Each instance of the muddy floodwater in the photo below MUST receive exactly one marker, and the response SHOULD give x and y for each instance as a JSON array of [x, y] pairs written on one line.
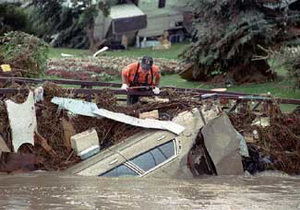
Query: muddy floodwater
[[59, 191]]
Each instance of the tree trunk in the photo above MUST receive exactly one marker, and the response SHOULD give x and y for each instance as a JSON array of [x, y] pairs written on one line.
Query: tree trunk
[[90, 34]]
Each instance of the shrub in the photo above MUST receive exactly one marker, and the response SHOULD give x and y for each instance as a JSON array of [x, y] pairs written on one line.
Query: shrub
[[289, 58], [26, 53]]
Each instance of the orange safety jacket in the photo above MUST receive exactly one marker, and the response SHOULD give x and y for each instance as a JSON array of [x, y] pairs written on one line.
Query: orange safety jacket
[[138, 77]]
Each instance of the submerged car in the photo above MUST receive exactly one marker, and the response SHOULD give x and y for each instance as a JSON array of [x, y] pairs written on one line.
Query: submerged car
[[150, 153]]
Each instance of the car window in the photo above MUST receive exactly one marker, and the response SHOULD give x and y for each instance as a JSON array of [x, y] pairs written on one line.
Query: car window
[[167, 149], [119, 171], [155, 156]]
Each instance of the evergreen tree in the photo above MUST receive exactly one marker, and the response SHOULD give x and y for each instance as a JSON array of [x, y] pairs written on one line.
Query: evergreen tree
[[68, 26], [12, 18], [230, 36]]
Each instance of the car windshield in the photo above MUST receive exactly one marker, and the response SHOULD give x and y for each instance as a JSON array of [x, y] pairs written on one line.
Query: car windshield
[[145, 161], [154, 157], [120, 171]]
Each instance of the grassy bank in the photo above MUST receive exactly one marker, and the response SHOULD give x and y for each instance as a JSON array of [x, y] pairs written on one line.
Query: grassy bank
[[282, 88], [56, 52], [131, 52]]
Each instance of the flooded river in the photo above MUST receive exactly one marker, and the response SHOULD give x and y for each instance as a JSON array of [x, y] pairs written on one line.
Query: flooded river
[[59, 191]]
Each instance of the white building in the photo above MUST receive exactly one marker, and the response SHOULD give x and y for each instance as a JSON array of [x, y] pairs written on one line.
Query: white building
[[145, 18]]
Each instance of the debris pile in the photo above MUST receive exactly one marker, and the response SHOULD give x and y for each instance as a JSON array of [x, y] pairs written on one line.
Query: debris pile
[[24, 55], [50, 148], [279, 141], [103, 68]]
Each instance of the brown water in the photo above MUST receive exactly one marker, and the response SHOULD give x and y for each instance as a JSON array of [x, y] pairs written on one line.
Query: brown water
[[59, 191]]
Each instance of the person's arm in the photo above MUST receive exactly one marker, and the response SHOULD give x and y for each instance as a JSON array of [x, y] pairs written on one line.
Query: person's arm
[[157, 76], [156, 81], [125, 79], [125, 75]]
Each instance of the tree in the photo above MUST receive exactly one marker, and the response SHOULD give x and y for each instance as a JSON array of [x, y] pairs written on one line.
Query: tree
[[69, 25], [12, 18], [58, 24], [230, 37]]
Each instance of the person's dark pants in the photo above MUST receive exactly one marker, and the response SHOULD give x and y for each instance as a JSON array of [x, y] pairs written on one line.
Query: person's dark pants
[[132, 99]]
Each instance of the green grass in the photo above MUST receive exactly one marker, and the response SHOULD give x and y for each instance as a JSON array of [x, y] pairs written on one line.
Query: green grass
[[174, 80], [56, 52], [172, 53], [280, 89]]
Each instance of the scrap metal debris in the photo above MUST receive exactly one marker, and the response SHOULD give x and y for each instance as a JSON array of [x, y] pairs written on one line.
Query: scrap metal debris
[[145, 123], [78, 107], [22, 121], [90, 109], [223, 143]]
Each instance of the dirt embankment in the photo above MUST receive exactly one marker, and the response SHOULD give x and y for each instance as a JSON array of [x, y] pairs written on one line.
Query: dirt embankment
[[279, 141]]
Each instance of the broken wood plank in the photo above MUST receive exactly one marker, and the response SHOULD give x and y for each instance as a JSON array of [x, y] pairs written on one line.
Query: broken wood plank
[[150, 115], [68, 132], [43, 142], [3, 146]]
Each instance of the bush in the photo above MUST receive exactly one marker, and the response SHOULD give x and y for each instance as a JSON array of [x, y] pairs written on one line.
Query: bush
[[289, 58], [26, 53]]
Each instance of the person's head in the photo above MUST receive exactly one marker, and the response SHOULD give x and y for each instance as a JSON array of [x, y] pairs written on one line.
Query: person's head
[[147, 62]]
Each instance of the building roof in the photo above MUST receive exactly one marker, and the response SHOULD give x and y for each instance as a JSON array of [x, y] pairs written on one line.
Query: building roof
[[125, 11]]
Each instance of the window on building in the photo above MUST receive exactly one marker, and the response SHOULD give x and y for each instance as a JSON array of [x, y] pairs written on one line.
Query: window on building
[[136, 2], [161, 3]]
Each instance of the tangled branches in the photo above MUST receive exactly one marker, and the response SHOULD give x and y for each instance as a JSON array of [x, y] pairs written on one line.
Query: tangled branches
[[26, 54]]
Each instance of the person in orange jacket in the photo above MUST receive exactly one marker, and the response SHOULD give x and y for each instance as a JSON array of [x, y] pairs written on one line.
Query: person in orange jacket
[[141, 74]]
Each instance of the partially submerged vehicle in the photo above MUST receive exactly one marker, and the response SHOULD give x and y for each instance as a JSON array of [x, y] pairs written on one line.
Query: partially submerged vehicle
[[144, 154], [153, 153]]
